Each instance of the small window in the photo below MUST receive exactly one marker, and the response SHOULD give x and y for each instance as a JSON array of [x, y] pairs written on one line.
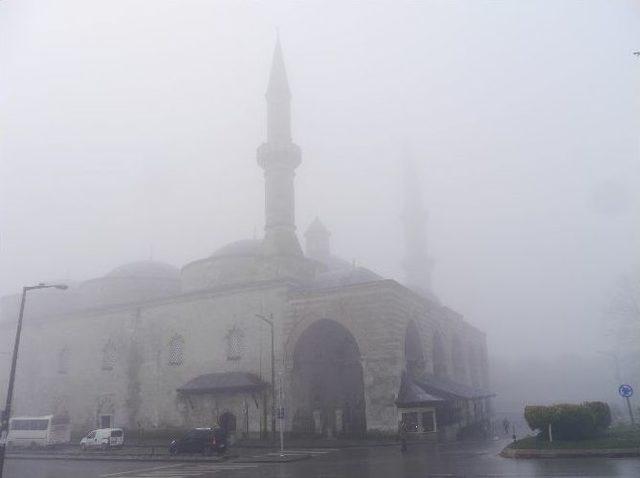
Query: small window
[[176, 350], [427, 422], [109, 356], [92, 434], [410, 420], [63, 361], [235, 343]]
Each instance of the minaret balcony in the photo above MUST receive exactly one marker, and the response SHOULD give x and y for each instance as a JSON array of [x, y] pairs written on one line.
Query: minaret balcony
[[287, 156]]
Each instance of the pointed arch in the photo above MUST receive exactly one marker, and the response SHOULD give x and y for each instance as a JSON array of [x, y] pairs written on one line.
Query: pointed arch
[[109, 354], [439, 356], [63, 360], [414, 356], [458, 359], [328, 383]]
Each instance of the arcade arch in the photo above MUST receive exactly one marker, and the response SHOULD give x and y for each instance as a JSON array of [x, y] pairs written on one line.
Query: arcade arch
[[327, 382]]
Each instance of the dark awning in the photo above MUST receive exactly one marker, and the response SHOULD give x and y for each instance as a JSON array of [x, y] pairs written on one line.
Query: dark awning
[[430, 389], [413, 394], [224, 382], [450, 389]]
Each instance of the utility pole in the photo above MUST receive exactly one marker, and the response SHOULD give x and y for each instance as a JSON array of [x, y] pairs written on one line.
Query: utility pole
[[273, 373], [6, 413]]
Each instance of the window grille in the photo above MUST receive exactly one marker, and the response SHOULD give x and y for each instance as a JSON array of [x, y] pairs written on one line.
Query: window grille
[[176, 350], [108, 356], [235, 343]]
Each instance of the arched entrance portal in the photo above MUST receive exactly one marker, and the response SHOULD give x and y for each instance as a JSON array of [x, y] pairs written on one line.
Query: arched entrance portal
[[327, 383]]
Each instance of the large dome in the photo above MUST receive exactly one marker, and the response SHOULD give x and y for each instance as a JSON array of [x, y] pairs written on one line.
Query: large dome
[[236, 262], [133, 282], [146, 270], [244, 247]]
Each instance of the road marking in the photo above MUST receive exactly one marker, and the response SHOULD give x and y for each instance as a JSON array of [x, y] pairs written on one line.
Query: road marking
[[315, 451], [181, 470], [143, 470]]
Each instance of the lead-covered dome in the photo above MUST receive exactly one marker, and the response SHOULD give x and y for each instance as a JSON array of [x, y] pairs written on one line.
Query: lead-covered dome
[[234, 263], [133, 282], [146, 270], [243, 247]]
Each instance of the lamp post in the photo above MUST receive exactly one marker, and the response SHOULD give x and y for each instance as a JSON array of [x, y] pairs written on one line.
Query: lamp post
[[6, 414], [273, 373]]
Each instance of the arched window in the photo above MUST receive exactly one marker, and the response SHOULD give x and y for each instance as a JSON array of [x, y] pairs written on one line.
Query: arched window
[[235, 343], [176, 350], [63, 360], [439, 356], [473, 366], [458, 359], [413, 353], [109, 356]]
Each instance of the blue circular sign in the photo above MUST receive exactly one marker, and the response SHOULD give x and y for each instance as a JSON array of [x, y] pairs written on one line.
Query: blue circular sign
[[625, 390]]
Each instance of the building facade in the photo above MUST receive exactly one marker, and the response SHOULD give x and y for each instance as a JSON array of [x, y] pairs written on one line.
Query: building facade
[[153, 347]]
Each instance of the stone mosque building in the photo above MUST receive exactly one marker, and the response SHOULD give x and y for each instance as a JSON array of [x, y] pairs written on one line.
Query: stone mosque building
[[153, 347]]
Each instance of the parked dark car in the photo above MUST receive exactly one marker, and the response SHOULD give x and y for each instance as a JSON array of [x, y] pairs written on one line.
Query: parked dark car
[[200, 440]]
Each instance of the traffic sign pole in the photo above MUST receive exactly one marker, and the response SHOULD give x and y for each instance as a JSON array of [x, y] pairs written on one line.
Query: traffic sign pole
[[633, 422], [626, 391]]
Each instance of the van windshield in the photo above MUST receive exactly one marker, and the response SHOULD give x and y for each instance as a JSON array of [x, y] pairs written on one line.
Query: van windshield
[[116, 433]]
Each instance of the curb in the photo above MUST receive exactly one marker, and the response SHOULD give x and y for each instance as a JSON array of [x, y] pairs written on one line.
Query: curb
[[576, 453]]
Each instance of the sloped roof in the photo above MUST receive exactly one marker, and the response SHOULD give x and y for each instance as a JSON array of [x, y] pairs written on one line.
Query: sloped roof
[[436, 389], [223, 382], [450, 389], [411, 393], [345, 277]]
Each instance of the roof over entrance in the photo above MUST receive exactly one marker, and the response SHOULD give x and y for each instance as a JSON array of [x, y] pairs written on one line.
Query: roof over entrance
[[224, 383], [430, 389]]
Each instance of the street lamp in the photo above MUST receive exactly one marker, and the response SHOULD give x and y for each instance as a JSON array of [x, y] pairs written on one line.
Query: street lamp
[[6, 413], [273, 373]]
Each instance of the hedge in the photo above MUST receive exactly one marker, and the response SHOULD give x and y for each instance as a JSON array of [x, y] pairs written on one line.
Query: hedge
[[569, 421]]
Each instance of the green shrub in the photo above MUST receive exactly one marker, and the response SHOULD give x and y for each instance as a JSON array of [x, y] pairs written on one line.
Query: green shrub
[[572, 422], [601, 414], [538, 417], [569, 421]]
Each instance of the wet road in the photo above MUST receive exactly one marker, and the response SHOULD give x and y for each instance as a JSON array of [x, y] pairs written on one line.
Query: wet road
[[379, 462]]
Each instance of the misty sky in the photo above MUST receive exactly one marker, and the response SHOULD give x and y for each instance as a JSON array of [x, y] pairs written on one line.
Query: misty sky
[[129, 129]]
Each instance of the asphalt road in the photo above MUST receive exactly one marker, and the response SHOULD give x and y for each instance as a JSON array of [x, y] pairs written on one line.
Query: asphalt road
[[376, 462]]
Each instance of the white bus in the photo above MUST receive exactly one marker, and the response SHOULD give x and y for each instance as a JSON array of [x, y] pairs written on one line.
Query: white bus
[[39, 431]]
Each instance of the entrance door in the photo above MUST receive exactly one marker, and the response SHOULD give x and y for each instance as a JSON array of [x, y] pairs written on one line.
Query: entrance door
[[227, 422]]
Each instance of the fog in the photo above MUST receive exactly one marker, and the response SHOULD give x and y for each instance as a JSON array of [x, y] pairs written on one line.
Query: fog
[[129, 131]]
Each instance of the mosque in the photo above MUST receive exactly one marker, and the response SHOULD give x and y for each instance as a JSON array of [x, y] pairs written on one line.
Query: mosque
[[259, 329]]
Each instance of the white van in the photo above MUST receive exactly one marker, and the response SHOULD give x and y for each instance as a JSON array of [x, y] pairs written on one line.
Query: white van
[[103, 438], [39, 431]]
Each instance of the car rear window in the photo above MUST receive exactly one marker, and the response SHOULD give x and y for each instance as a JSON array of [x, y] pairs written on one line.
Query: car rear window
[[116, 433]]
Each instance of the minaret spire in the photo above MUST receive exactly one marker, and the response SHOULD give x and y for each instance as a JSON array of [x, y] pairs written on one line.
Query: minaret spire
[[279, 157], [417, 263], [278, 100]]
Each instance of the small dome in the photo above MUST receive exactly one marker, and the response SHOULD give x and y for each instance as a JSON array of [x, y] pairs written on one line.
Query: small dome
[[244, 247], [146, 270]]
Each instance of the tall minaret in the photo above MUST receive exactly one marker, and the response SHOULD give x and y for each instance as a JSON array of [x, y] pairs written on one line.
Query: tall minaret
[[279, 157], [417, 263]]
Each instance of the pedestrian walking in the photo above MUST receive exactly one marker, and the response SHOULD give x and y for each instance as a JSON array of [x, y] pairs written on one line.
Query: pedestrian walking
[[506, 425]]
